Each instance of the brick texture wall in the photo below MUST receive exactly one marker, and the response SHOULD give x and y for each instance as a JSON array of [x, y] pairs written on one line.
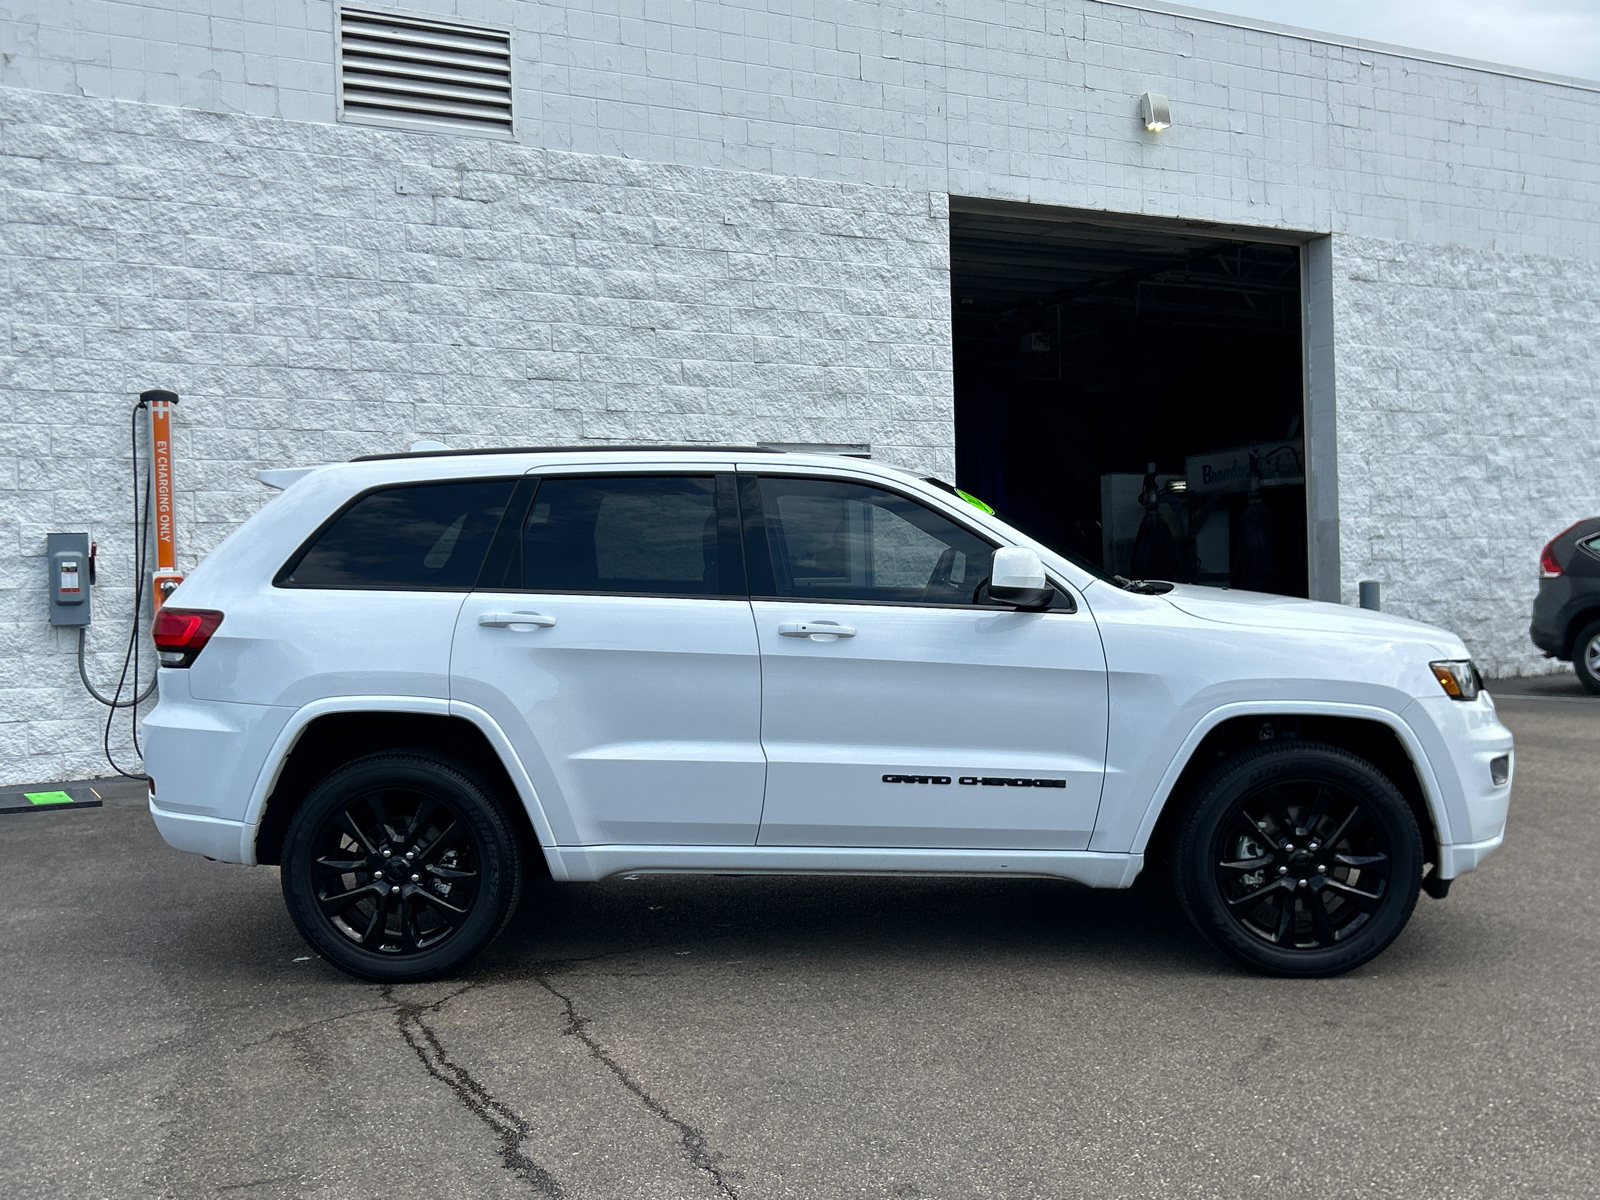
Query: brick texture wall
[[1011, 99], [1469, 426], [314, 292]]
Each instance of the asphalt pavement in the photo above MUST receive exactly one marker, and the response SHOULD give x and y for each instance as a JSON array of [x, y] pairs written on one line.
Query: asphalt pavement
[[164, 1032]]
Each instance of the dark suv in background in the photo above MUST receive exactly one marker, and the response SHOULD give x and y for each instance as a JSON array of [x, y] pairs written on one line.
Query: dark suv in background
[[1566, 615]]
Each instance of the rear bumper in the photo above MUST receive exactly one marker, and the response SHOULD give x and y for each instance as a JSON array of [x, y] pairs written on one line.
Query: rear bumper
[[204, 757], [1547, 639], [210, 836]]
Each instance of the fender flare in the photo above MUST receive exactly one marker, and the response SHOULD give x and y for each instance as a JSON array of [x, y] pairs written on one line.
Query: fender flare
[[1433, 795], [297, 724]]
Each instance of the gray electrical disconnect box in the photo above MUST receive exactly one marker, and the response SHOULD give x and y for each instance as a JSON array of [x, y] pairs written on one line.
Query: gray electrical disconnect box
[[68, 558]]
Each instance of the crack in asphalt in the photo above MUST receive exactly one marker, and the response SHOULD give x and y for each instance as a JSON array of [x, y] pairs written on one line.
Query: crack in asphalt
[[693, 1141], [510, 1129], [310, 1025]]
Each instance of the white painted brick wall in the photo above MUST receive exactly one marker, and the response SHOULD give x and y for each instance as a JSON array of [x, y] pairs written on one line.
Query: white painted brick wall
[[1012, 99], [1469, 423], [314, 292]]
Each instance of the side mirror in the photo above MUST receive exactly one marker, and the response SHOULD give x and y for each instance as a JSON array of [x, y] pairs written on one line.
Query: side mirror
[[1017, 577]]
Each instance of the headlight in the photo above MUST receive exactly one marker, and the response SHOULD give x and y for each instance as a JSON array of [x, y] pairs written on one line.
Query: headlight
[[1459, 678]]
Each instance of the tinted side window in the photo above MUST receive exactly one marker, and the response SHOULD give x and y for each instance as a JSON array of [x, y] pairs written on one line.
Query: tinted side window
[[845, 541], [424, 536], [624, 534]]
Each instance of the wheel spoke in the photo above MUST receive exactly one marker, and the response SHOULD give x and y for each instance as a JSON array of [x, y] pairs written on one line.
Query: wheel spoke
[[419, 819], [347, 824], [377, 927], [1321, 926], [1285, 919], [381, 815], [1359, 860], [1319, 809], [1244, 818], [1246, 864], [452, 916], [332, 906], [1264, 890], [337, 866], [451, 873], [1345, 826], [436, 845], [408, 920], [1367, 902]]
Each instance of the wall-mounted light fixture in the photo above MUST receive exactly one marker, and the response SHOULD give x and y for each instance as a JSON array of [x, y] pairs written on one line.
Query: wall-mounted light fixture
[[1154, 111]]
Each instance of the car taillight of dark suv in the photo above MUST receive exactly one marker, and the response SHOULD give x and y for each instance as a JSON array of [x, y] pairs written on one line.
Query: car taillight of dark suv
[[1566, 614]]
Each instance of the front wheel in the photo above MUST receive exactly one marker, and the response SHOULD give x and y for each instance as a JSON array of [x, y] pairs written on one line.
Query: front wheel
[[1299, 860], [400, 867]]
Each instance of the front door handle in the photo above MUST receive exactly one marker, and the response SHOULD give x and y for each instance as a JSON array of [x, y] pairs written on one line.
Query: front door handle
[[816, 629], [520, 621]]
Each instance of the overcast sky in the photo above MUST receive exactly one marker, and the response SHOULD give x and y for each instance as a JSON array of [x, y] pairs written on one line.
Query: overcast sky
[[1549, 35]]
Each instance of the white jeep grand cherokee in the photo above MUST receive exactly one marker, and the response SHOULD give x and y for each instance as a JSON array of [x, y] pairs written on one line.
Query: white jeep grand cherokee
[[410, 678]]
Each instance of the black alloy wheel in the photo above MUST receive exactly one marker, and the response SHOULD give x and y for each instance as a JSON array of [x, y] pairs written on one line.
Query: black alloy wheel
[[1298, 858], [400, 867], [1586, 657]]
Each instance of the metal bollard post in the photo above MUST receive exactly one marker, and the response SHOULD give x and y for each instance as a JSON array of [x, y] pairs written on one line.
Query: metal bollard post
[[1369, 595]]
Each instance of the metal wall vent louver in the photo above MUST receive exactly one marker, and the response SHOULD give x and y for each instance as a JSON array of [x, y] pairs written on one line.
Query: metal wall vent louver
[[419, 73]]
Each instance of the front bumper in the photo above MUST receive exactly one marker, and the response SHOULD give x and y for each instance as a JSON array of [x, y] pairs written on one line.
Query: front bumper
[[1461, 740]]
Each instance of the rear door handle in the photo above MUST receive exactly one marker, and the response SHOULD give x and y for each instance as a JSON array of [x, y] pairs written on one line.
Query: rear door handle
[[816, 629], [520, 621]]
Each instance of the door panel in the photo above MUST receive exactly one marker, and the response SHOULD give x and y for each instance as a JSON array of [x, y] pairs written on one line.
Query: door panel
[[637, 717], [637, 713], [939, 693], [932, 717]]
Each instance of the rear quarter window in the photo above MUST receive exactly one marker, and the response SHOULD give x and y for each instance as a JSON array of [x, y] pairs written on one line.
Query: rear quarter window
[[413, 537]]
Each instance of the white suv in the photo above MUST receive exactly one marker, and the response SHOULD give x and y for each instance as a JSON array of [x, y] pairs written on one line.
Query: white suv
[[410, 678]]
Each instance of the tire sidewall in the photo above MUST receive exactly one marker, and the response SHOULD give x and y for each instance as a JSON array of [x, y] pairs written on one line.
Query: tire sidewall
[[1220, 793], [1580, 653], [471, 803]]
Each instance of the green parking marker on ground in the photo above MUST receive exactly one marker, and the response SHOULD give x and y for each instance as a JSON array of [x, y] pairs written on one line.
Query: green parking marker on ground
[[47, 801]]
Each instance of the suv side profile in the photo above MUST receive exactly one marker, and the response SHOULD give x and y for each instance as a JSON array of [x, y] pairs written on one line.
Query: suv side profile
[[410, 679]]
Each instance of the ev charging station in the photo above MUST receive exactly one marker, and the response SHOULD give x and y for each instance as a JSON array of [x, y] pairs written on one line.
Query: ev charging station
[[70, 561]]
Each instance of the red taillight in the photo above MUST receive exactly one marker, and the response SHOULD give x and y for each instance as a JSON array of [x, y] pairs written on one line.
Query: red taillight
[[1549, 568], [181, 633]]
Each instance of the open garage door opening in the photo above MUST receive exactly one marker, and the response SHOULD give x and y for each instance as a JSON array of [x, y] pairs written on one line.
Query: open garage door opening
[[1133, 395]]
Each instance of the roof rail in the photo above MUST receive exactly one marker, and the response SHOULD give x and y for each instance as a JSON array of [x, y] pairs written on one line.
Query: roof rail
[[559, 450]]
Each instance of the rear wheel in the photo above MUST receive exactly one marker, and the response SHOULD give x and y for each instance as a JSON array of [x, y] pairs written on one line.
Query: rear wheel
[[1298, 860], [400, 867], [1586, 657]]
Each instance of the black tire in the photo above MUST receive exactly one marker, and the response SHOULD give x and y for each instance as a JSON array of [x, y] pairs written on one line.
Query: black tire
[[1586, 657], [1298, 859], [373, 912]]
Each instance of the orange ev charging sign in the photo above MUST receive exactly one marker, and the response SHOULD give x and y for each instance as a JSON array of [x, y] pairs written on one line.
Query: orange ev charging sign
[[166, 577]]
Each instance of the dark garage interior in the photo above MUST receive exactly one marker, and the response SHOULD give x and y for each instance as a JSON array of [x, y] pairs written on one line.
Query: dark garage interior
[[1133, 395]]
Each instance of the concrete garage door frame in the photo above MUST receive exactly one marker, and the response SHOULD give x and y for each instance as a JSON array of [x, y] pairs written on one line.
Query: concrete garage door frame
[[1317, 353]]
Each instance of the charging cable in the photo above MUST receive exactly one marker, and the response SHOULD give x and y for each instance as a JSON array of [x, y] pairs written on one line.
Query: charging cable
[[130, 657], [88, 684]]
